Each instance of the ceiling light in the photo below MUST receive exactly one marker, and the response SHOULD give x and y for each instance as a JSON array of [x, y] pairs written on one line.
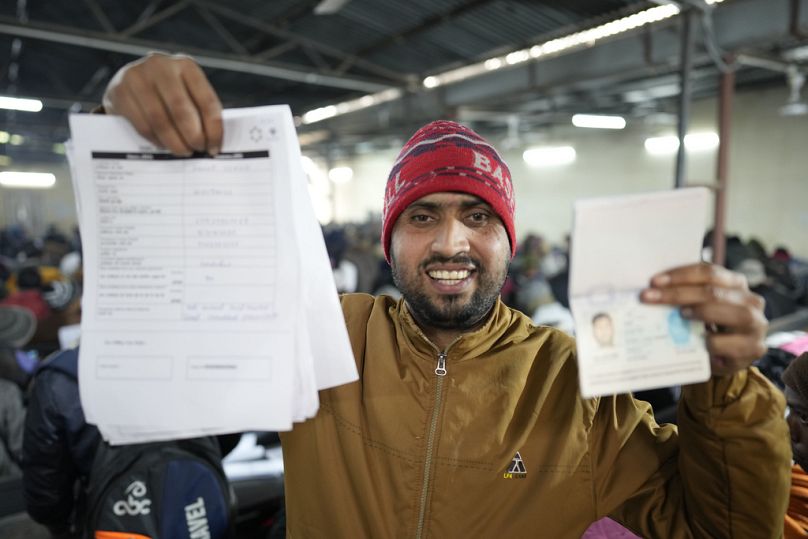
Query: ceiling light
[[694, 142], [493, 63], [352, 105], [662, 145], [16, 140], [536, 51], [431, 82], [598, 121], [319, 114], [18, 103], [548, 156], [340, 174], [5, 136], [578, 39], [700, 142], [517, 57], [329, 7], [36, 180]]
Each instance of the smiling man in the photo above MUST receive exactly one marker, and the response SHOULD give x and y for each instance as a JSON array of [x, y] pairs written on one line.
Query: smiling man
[[448, 229], [467, 420]]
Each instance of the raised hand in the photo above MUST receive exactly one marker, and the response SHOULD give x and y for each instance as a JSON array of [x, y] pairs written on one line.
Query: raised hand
[[169, 101]]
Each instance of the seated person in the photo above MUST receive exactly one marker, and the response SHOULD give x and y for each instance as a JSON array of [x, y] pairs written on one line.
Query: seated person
[[795, 378], [12, 418]]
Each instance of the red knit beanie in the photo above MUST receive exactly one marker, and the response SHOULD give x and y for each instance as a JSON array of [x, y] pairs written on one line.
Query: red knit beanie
[[445, 156]]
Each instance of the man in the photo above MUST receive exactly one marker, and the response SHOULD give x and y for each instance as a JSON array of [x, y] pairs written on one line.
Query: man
[[467, 420], [603, 330], [795, 378]]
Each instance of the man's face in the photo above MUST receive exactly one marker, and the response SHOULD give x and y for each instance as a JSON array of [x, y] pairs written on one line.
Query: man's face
[[603, 330], [449, 253], [798, 425]]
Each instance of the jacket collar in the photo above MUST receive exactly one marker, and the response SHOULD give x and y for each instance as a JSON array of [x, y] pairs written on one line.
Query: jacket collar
[[502, 326]]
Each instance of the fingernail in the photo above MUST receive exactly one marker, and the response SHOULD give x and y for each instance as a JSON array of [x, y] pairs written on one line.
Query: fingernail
[[651, 295], [661, 280], [686, 312], [214, 151]]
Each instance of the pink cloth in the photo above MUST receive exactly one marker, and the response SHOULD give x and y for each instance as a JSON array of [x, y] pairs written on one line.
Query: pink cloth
[[607, 528], [796, 347]]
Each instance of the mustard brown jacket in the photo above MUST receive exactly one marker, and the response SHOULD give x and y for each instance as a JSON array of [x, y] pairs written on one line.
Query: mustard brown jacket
[[499, 443]]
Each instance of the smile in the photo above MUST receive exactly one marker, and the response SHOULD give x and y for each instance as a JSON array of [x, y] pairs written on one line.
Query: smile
[[443, 275], [449, 278]]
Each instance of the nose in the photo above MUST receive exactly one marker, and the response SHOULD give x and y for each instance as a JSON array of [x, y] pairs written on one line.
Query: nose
[[451, 238]]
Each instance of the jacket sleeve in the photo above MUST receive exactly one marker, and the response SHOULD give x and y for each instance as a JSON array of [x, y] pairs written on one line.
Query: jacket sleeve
[[48, 473], [12, 418], [726, 473]]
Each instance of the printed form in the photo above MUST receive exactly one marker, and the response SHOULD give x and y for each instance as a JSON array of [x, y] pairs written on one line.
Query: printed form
[[198, 273], [618, 244]]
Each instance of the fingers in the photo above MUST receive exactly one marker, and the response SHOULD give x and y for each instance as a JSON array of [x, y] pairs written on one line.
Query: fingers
[[128, 107], [209, 106], [737, 316], [693, 294], [700, 274], [178, 122], [152, 108], [169, 101]]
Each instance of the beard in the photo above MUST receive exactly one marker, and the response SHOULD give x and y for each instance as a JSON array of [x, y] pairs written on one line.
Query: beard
[[449, 311]]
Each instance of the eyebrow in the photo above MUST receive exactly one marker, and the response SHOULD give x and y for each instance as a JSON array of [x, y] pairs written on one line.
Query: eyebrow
[[470, 203]]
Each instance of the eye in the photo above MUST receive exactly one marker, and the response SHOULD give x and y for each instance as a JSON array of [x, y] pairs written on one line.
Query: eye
[[478, 217], [419, 218]]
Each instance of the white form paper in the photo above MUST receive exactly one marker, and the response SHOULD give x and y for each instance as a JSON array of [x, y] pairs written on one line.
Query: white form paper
[[192, 310], [618, 244]]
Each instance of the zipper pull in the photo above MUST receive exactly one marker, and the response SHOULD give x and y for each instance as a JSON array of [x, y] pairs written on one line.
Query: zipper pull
[[440, 370]]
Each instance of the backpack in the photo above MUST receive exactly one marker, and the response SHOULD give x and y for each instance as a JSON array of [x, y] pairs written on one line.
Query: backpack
[[160, 490]]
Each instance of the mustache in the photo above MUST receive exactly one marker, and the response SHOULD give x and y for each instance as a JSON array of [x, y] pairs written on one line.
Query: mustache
[[457, 259]]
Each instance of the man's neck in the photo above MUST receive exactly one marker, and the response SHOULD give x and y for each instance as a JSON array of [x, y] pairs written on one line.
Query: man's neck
[[442, 338]]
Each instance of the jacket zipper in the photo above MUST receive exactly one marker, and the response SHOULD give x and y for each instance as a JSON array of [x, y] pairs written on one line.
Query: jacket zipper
[[440, 372]]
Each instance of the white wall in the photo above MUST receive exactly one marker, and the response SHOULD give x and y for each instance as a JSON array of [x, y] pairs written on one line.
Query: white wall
[[768, 182], [35, 209]]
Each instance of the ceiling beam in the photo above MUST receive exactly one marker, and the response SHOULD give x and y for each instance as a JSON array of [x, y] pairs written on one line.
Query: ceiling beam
[[100, 16], [613, 63], [223, 32], [144, 23], [427, 24], [229, 62], [282, 33]]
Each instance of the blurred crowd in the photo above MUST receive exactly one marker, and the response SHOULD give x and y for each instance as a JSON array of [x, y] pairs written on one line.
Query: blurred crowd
[[41, 282], [42, 275]]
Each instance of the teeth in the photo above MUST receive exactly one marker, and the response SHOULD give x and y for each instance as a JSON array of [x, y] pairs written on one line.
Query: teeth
[[444, 275]]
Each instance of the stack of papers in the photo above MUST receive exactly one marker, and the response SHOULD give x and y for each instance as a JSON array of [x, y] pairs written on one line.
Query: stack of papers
[[618, 245], [209, 304]]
